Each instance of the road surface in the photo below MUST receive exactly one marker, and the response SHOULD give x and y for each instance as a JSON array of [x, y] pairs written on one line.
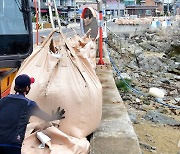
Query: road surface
[[67, 31]]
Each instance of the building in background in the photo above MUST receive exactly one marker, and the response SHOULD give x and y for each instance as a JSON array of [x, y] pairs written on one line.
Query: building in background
[[177, 7], [114, 8], [158, 3], [64, 7], [71, 9], [141, 11], [160, 8], [129, 2]]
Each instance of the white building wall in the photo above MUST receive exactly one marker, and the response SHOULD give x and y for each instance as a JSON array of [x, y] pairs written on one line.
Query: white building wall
[[168, 1], [60, 2], [66, 2]]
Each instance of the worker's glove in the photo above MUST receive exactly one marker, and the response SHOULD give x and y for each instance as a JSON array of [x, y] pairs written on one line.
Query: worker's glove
[[59, 114]]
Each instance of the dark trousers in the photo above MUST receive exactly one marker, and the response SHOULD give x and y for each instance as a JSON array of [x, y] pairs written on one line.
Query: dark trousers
[[9, 150]]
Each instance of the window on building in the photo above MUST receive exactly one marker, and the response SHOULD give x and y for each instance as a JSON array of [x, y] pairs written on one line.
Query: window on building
[[148, 12], [57, 2], [129, 2], [63, 2], [140, 12]]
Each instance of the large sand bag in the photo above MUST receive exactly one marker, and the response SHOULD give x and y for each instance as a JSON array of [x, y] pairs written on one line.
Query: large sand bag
[[85, 47], [60, 143], [66, 80]]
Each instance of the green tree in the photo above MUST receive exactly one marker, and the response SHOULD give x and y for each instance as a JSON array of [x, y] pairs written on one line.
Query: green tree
[[138, 1]]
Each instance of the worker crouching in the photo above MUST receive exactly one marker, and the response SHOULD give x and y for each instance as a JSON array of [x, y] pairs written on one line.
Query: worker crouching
[[15, 112]]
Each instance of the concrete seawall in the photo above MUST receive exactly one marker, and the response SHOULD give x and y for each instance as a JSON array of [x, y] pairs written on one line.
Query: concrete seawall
[[115, 135], [129, 30]]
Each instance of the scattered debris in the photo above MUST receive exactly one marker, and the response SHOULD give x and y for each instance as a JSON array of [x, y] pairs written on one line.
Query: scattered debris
[[156, 92], [150, 59]]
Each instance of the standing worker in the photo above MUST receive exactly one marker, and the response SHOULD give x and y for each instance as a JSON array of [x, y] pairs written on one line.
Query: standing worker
[[15, 112]]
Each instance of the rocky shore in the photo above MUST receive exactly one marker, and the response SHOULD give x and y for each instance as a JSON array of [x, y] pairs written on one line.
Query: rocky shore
[[146, 60]]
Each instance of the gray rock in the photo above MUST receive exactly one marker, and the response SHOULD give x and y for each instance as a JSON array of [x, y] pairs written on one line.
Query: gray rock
[[125, 76], [138, 39], [177, 77], [177, 65], [157, 117], [138, 50], [173, 92], [154, 49], [133, 116], [136, 75], [173, 65], [123, 50], [151, 64], [133, 65], [165, 81], [147, 146], [145, 45], [165, 47], [153, 151], [143, 73], [145, 107], [177, 99]]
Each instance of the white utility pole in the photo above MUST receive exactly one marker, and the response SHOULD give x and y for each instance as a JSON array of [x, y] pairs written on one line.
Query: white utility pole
[[57, 15], [118, 8], [168, 8], [39, 10], [74, 11], [50, 13]]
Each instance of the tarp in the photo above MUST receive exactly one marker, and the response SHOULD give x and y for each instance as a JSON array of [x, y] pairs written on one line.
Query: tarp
[[65, 77]]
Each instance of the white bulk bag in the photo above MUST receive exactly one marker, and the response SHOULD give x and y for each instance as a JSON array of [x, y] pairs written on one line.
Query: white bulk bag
[[68, 81]]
